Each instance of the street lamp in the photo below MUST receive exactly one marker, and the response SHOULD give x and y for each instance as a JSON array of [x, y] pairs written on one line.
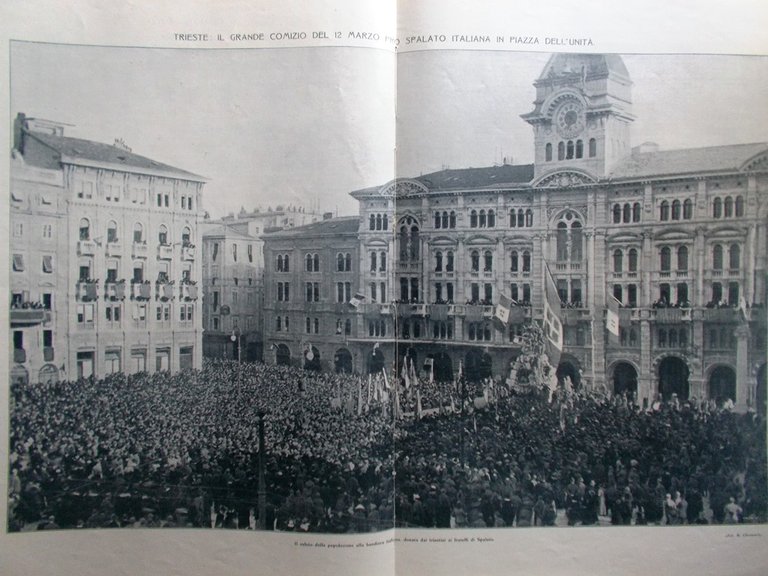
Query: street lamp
[[236, 341]]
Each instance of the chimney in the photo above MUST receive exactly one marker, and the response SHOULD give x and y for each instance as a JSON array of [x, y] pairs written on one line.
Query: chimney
[[18, 130], [327, 215]]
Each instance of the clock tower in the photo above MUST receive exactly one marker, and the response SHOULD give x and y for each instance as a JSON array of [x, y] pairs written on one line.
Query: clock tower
[[582, 114]]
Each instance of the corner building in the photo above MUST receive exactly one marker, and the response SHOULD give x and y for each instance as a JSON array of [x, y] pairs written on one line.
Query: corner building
[[104, 268], [678, 237]]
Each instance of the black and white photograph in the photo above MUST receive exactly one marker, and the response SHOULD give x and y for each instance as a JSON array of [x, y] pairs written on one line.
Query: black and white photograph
[[340, 291]]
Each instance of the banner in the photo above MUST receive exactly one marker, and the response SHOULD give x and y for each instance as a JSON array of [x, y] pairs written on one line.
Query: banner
[[612, 315], [502, 308], [553, 325]]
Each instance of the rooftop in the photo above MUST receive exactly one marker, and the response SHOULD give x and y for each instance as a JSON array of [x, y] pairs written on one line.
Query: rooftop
[[77, 149], [330, 227]]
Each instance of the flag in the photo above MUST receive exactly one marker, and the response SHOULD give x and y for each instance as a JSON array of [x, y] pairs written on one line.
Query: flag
[[404, 373], [412, 373], [553, 325], [386, 380], [612, 315], [503, 308], [359, 398], [418, 404], [369, 390], [743, 309], [429, 364], [357, 299]]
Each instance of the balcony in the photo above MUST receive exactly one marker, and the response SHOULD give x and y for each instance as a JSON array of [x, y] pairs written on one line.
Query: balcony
[[140, 250], [86, 248], [29, 316], [671, 315], [188, 292], [724, 315], [114, 290], [188, 252], [572, 316], [163, 291], [87, 291], [165, 252], [19, 355], [141, 291], [114, 249]]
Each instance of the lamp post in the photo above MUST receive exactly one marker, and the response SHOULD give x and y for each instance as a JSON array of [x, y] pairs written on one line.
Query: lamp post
[[236, 341]]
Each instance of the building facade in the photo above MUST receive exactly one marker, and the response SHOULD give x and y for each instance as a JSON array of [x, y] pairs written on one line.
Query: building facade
[[105, 271], [232, 293], [678, 237]]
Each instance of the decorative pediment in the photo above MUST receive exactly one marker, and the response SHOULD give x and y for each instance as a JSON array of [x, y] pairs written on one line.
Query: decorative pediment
[[726, 232], [624, 237], [443, 241], [564, 179], [479, 240], [674, 234], [757, 162], [403, 188], [376, 243]]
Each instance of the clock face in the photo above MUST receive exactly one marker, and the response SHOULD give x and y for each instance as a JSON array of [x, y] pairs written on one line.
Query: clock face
[[569, 119]]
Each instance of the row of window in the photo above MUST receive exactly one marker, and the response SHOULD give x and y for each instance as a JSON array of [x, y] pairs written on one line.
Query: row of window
[[728, 207], [378, 222], [138, 195], [85, 271], [220, 323], [46, 230], [678, 294], [568, 150], [18, 264], [139, 312], [676, 210], [378, 260], [215, 252], [138, 233], [627, 213]]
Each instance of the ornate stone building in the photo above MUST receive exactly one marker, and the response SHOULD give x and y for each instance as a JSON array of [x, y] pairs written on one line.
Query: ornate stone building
[[104, 270], [679, 237]]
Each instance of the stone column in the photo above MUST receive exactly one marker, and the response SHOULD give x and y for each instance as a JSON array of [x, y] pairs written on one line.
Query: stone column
[[742, 367], [645, 379]]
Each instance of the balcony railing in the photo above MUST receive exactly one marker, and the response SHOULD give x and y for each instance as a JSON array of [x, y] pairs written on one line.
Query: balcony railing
[[29, 316], [19, 355], [114, 290], [48, 354], [141, 291], [114, 249], [163, 291], [140, 250], [87, 290], [188, 252], [86, 247], [165, 252], [726, 315]]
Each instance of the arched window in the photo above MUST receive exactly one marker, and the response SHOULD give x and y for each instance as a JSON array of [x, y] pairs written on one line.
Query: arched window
[[286, 264], [438, 261], [520, 218], [340, 262], [687, 209], [561, 151], [636, 212], [444, 220], [665, 259], [529, 218], [728, 207], [548, 152], [562, 242], [627, 213], [569, 150], [186, 236], [632, 260], [683, 335], [373, 261], [618, 261], [475, 259], [437, 220], [452, 219], [347, 262], [662, 338], [472, 331], [717, 208], [739, 206], [488, 261], [382, 261], [372, 222], [491, 219], [85, 229], [579, 149], [717, 257], [138, 233], [616, 213], [162, 235], [279, 264], [526, 261], [592, 147], [379, 223], [512, 218], [385, 222], [682, 258], [234, 252], [676, 210], [111, 232], [308, 263], [279, 323], [664, 211], [482, 222], [473, 219], [514, 261], [673, 338], [734, 257], [449, 261], [316, 263]]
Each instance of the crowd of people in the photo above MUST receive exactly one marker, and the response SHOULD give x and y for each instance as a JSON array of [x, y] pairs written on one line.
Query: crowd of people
[[165, 449]]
